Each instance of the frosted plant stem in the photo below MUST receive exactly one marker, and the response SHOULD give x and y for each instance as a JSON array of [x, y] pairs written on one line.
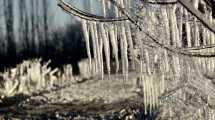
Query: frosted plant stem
[[87, 40], [114, 46]]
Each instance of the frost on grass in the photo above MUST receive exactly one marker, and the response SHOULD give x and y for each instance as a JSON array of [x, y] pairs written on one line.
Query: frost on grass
[[27, 77]]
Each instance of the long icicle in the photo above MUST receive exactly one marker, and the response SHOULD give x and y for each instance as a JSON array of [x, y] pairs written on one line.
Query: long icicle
[[209, 66], [129, 37], [204, 39], [99, 66], [87, 40], [93, 37], [114, 46], [116, 12], [101, 51], [144, 90], [175, 39], [196, 32], [188, 31], [105, 40], [167, 41], [95, 46], [124, 47], [212, 42], [130, 44]]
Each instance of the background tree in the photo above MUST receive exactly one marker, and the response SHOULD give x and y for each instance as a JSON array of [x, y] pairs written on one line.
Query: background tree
[[9, 21]]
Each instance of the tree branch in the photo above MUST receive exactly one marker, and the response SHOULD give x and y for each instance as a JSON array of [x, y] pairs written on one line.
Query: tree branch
[[84, 15]]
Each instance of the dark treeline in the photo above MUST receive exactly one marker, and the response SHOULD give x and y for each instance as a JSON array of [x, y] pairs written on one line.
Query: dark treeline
[[26, 32]]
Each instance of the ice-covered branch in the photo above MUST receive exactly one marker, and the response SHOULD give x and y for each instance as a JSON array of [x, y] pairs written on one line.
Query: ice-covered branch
[[174, 50], [84, 15]]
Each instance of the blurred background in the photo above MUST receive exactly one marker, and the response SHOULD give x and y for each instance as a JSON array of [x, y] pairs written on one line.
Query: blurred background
[[40, 29]]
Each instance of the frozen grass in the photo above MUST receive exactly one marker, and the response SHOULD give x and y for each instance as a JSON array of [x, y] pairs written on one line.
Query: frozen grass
[[32, 75], [27, 77]]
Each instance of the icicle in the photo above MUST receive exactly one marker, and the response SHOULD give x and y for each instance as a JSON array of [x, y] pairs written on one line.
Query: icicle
[[144, 92], [92, 32], [147, 92], [101, 51], [124, 50], [97, 48], [114, 46], [167, 38], [180, 22], [106, 47], [213, 50], [196, 28], [196, 32], [188, 31], [145, 50], [105, 40], [116, 33], [162, 88], [204, 39], [157, 87], [94, 44], [123, 46], [175, 39], [131, 46], [210, 41], [150, 91], [86, 36]]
